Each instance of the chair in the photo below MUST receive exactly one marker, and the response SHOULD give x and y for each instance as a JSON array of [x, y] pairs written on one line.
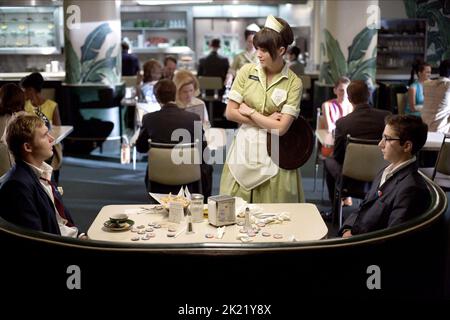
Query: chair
[[362, 162], [207, 84], [401, 102], [130, 81], [306, 81], [440, 174], [6, 162], [320, 124], [174, 163]]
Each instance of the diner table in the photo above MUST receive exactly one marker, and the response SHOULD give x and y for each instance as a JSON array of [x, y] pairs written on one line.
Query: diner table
[[305, 224], [433, 143], [60, 132]]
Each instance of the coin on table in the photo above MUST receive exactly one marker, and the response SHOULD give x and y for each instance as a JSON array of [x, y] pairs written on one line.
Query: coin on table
[[172, 229], [242, 231], [266, 234], [278, 236], [149, 229], [261, 224], [141, 231], [151, 224], [240, 223], [171, 234], [146, 237], [141, 226], [209, 235], [151, 235], [134, 229], [135, 239], [156, 226], [251, 234]]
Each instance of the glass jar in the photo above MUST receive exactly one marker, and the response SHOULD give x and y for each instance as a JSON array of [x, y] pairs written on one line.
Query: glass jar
[[196, 207]]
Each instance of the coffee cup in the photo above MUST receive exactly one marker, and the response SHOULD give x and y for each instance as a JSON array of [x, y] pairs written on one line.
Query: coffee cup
[[118, 218]]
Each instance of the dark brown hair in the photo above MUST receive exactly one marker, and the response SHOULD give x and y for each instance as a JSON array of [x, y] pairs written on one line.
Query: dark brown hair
[[416, 68], [165, 91], [12, 99], [170, 58], [271, 40], [149, 70], [358, 92], [21, 130], [33, 80], [409, 128]]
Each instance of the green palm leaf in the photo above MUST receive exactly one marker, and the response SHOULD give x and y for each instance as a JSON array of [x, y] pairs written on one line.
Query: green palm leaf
[[336, 59], [360, 44], [73, 63], [94, 42]]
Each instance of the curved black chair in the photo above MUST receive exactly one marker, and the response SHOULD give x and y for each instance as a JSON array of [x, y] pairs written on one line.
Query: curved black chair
[[411, 258]]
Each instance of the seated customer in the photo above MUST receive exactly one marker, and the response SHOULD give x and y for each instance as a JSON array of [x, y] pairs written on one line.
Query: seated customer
[[46, 109], [187, 92], [28, 197], [399, 192], [159, 127]]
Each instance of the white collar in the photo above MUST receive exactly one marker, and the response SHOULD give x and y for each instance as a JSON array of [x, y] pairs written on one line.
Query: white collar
[[45, 170]]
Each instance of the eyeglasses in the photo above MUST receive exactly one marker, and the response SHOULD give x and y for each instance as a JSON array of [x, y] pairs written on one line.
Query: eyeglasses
[[387, 138]]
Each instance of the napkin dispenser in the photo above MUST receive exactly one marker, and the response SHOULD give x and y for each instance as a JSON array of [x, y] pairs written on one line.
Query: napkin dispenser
[[221, 210]]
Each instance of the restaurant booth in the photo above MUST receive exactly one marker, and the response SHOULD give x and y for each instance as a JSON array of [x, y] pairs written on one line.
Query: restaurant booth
[[410, 260]]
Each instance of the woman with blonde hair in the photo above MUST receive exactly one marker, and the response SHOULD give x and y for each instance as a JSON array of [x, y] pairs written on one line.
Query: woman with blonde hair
[[187, 92]]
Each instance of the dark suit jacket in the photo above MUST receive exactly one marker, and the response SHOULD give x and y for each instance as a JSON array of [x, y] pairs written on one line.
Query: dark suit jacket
[[159, 126], [364, 122], [213, 65], [130, 64], [402, 197], [24, 201]]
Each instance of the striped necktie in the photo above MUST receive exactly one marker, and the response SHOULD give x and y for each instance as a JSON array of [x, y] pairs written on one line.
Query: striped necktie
[[58, 204]]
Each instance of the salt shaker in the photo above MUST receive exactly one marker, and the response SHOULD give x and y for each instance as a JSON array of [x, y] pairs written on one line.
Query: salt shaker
[[247, 223]]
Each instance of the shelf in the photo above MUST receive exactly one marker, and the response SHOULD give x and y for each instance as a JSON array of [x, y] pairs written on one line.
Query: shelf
[[417, 36], [399, 52], [168, 50], [153, 29], [29, 50]]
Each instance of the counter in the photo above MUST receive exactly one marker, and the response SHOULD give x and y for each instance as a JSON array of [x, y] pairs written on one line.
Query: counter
[[49, 76]]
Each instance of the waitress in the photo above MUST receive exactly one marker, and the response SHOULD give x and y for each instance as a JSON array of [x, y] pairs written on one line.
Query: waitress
[[263, 96]]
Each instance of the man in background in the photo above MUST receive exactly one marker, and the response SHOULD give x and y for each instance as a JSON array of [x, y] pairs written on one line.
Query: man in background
[[364, 122], [213, 65], [130, 63], [170, 65]]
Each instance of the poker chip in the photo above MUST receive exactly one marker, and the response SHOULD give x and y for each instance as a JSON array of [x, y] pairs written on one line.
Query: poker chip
[[135, 239], [151, 235], [171, 234], [141, 226], [141, 232], [278, 236], [145, 237], [149, 229], [266, 234], [151, 224], [134, 229], [156, 226], [209, 235], [261, 224], [172, 229]]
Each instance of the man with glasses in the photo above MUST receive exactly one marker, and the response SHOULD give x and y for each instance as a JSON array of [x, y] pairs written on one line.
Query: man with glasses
[[365, 122], [398, 192]]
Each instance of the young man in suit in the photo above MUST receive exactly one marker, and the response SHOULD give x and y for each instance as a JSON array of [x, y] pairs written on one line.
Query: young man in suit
[[213, 65], [159, 127], [365, 122], [399, 192], [28, 197]]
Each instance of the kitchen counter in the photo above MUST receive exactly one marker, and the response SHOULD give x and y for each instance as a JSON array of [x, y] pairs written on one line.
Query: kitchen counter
[[49, 76]]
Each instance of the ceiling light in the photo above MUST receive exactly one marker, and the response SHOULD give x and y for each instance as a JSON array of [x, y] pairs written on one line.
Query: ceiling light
[[160, 2]]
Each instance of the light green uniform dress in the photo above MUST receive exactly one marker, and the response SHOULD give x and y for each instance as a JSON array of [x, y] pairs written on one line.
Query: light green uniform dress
[[282, 95], [241, 59]]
